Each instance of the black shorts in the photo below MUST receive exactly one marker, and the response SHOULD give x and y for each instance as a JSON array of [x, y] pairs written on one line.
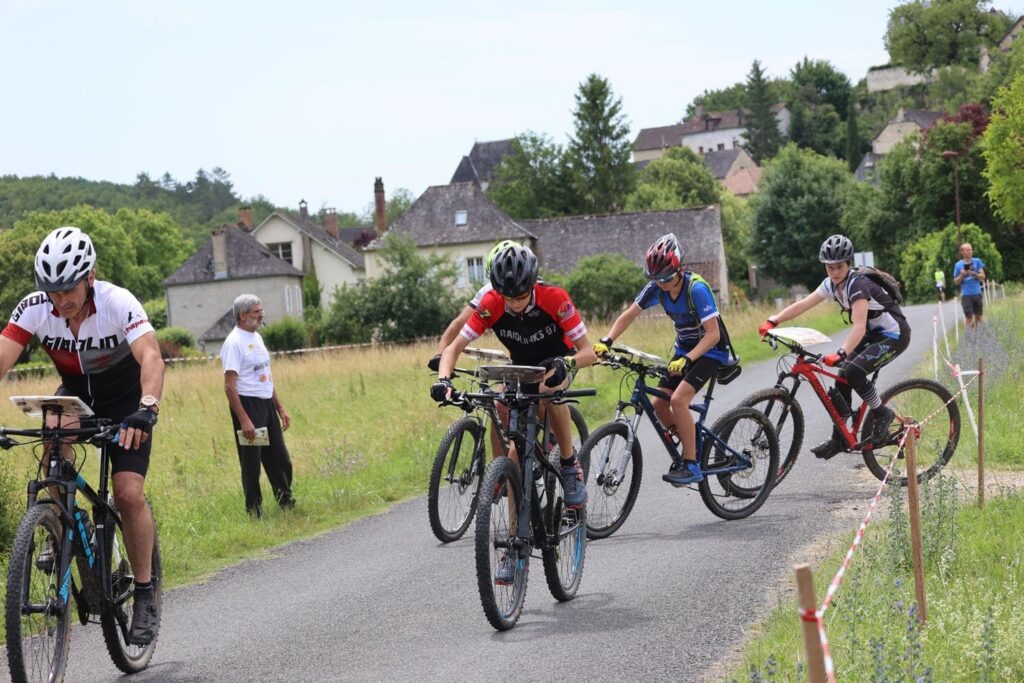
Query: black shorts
[[973, 304], [697, 375], [121, 460]]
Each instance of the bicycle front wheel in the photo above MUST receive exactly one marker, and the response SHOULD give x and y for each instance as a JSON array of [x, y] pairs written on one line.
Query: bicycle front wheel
[[932, 408], [564, 549], [786, 415], [38, 609], [748, 452], [116, 618], [455, 479], [502, 568], [613, 471]]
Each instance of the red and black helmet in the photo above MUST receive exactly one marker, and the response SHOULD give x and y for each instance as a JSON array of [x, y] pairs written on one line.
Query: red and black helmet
[[664, 258]]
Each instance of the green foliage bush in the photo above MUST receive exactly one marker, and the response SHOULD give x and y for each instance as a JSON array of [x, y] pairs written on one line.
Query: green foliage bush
[[601, 286], [176, 335], [156, 309], [922, 257], [285, 334]]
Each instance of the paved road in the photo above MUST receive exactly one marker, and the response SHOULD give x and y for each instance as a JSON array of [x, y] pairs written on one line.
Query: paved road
[[670, 594]]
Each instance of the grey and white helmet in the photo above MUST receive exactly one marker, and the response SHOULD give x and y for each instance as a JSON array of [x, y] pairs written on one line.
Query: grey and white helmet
[[65, 258], [836, 249]]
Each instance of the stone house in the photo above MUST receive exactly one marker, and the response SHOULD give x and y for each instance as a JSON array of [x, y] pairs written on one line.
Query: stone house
[[703, 132]]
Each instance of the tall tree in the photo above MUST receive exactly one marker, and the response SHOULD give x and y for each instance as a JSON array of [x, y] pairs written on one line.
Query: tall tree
[[599, 151], [531, 182], [800, 203], [922, 36], [762, 135], [682, 175], [1003, 145]]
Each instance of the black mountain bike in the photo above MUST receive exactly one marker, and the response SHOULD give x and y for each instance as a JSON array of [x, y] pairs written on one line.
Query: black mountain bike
[[454, 488], [59, 554], [522, 506], [738, 455]]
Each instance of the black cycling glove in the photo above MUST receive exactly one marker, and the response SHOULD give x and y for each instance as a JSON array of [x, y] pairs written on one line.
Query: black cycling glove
[[441, 389], [561, 367], [143, 419]]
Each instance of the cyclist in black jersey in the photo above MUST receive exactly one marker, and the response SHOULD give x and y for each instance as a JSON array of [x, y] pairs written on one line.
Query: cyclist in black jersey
[[880, 333], [105, 350]]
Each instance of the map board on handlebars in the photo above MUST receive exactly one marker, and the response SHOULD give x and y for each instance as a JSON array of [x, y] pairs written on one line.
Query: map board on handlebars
[[69, 405], [804, 336], [524, 374]]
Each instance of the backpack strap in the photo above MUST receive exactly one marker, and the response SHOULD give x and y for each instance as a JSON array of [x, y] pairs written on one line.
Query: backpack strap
[[723, 330]]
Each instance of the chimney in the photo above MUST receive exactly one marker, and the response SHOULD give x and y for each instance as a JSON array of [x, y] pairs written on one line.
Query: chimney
[[303, 210], [220, 254], [331, 222], [245, 218], [380, 214]]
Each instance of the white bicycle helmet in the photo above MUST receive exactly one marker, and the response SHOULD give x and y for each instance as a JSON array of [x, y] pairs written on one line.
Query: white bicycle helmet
[[65, 258]]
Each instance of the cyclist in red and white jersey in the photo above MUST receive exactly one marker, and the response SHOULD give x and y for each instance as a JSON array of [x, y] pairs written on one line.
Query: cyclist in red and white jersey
[[105, 350], [539, 325]]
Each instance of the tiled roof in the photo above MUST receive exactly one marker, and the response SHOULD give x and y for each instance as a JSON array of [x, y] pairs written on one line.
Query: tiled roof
[[720, 161], [922, 117], [482, 163], [743, 182], [562, 242], [220, 329], [246, 258], [431, 218], [318, 234], [672, 136]]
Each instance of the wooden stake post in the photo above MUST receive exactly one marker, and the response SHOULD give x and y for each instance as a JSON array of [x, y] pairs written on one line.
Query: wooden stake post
[[915, 521], [812, 642], [981, 432]]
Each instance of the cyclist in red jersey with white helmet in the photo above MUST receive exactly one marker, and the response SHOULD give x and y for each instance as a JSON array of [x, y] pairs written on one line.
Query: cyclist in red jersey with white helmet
[[105, 350]]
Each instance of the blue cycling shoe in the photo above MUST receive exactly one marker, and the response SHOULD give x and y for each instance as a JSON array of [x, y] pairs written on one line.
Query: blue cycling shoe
[[573, 485], [689, 473]]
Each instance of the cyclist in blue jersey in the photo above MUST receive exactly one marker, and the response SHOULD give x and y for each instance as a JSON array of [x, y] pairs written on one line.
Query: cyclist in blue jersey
[[880, 333], [698, 351], [106, 354]]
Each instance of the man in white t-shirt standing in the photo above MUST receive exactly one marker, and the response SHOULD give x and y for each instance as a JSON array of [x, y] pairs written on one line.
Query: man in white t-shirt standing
[[254, 405]]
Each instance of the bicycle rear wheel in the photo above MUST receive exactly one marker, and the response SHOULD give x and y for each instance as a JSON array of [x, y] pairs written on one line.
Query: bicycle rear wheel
[[455, 479], [916, 400], [500, 499], [116, 618], [38, 608], [564, 549], [737, 494], [613, 478], [786, 415]]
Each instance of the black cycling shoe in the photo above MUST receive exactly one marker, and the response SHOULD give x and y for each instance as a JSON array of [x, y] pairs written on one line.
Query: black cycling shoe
[[827, 449], [144, 618], [882, 417]]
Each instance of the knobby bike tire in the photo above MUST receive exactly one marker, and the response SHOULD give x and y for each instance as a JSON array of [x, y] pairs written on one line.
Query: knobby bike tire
[[787, 417], [609, 504], [38, 638], [739, 494], [564, 547], [500, 499], [455, 479], [116, 619], [917, 399]]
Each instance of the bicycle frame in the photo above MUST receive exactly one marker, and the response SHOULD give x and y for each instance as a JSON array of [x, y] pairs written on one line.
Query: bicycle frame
[[640, 403], [61, 475], [808, 371]]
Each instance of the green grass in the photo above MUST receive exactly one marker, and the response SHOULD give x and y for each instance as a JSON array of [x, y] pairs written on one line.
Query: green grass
[[974, 564]]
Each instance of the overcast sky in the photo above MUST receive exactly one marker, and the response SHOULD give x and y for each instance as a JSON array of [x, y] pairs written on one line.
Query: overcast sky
[[312, 100]]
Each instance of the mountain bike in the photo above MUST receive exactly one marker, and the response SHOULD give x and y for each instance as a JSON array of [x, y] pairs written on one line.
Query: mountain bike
[[521, 505], [738, 455], [59, 553], [925, 404], [458, 469]]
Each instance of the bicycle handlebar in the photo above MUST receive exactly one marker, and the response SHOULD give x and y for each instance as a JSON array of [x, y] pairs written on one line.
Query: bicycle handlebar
[[773, 341], [105, 429]]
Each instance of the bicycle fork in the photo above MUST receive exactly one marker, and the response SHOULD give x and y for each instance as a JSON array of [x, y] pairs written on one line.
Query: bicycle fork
[[611, 473]]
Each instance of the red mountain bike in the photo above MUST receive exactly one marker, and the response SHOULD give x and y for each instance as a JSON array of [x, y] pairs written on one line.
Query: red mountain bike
[[920, 402]]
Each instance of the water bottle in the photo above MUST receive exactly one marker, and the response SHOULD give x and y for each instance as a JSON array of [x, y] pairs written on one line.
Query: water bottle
[[839, 402]]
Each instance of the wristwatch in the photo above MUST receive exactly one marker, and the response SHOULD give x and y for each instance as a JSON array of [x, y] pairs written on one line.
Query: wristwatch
[[150, 402]]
